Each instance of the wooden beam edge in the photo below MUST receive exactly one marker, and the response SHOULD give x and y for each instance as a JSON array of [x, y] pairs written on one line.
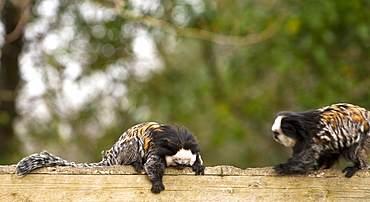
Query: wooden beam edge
[[220, 170]]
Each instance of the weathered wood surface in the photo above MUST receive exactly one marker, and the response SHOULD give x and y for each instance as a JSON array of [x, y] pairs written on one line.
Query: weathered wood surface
[[220, 183]]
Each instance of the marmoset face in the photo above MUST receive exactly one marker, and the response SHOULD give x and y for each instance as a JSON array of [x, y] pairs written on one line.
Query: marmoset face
[[279, 136], [182, 158]]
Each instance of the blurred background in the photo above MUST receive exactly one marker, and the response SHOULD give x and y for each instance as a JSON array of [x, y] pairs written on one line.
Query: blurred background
[[75, 75]]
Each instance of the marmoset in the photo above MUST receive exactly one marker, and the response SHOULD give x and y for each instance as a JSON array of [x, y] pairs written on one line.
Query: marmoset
[[319, 137], [151, 146]]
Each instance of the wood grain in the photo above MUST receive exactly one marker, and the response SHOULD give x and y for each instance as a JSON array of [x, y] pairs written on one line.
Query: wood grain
[[220, 183]]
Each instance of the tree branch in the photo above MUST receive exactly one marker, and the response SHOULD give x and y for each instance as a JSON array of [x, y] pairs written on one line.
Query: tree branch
[[25, 15], [2, 4], [200, 33]]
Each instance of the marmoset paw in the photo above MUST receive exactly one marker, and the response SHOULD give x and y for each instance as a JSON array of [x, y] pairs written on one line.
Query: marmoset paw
[[198, 169], [281, 169], [351, 171], [157, 188]]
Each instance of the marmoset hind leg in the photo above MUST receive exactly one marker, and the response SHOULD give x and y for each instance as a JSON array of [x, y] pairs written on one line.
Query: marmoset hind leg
[[125, 153], [358, 155], [327, 161]]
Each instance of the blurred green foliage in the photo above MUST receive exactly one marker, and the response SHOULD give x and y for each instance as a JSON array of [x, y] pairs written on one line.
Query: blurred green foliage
[[227, 95]]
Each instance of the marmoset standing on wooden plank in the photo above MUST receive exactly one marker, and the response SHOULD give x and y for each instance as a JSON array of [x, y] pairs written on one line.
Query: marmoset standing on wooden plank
[[318, 137], [151, 146]]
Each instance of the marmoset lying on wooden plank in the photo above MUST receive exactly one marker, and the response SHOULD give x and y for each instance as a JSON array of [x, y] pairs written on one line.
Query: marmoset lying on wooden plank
[[151, 146]]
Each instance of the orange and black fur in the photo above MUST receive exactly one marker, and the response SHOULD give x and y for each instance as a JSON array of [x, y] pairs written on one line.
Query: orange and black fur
[[319, 137], [151, 146]]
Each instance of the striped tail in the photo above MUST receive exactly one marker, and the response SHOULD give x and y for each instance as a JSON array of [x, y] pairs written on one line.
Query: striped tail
[[45, 159]]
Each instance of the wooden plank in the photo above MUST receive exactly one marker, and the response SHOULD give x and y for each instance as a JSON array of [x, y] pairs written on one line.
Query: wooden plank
[[221, 183]]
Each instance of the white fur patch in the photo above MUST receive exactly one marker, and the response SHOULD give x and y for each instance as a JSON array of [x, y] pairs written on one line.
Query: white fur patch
[[200, 159], [279, 136], [286, 141], [277, 123], [182, 157]]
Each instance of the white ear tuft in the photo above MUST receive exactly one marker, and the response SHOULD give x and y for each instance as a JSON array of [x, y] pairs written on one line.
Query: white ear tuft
[[276, 127]]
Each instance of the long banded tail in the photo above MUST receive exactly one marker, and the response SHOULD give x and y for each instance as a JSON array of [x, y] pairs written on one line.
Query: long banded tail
[[45, 159]]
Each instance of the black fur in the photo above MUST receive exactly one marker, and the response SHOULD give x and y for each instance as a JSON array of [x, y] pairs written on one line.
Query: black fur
[[170, 140], [299, 126]]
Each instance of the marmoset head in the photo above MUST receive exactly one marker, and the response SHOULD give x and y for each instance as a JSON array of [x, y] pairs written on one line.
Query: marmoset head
[[179, 146], [284, 133]]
